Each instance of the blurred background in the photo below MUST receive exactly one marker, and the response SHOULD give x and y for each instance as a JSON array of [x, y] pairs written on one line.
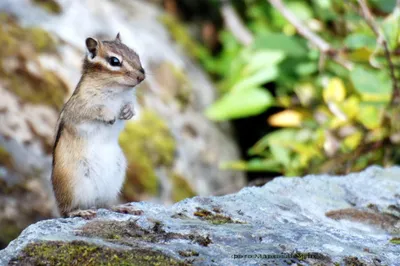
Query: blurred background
[[237, 93]]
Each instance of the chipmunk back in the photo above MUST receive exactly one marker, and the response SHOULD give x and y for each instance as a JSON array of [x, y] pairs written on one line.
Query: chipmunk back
[[88, 163]]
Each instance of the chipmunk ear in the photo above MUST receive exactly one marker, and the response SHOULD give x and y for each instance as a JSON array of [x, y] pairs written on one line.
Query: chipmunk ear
[[118, 38], [92, 46]]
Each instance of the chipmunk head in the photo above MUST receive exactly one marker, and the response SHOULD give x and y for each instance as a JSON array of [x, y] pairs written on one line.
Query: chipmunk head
[[112, 63]]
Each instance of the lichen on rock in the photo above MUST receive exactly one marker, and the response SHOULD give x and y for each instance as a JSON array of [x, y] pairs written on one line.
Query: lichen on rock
[[80, 253], [176, 86], [147, 144], [284, 223], [5, 159], [20, 71], [130, 232], [181, 189], [51, 6], [214, 217], [183, 37]]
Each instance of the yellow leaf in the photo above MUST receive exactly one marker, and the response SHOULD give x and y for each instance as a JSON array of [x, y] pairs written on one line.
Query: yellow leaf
[[377, 134], [370, 116], [335, 91], [361, 55], [284, 100], [351, 142], [336, 122], [305, 92], [286, 118], [350, 107]]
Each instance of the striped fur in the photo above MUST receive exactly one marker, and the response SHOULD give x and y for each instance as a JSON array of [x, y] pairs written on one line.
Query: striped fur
[[88, 164]]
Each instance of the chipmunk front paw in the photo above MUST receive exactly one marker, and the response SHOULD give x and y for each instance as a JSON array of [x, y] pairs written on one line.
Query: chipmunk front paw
[[111, 121], [127, 210], [127, 112], [85, 214], [107, 116]]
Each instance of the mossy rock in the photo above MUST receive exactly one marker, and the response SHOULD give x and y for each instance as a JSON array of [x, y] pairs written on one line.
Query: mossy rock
[[147, 144], [13, 37], [130, 233], [81, 253], [50, 6], [20, 69], [214, 217], [182, 36], [9, 231], [395, 240], [181, 188], [176, 85], [353, 261], [5, 158]]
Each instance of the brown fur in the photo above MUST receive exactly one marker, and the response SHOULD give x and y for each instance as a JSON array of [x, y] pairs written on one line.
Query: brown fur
[[97, 75], [61, 174]]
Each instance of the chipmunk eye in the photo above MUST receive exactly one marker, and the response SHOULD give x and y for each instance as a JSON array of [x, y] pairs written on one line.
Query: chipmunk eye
[[114, 61]]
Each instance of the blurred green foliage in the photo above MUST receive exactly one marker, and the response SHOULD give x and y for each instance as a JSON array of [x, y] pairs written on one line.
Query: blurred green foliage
[[333, 119]]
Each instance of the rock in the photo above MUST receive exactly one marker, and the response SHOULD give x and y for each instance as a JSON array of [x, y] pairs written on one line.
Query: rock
[[173, 150], [315, 220]]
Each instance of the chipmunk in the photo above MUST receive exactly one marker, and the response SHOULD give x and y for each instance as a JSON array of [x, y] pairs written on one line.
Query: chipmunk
[[88, 163]]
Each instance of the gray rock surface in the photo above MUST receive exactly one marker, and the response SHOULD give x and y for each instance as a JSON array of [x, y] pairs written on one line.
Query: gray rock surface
[[348, 220]]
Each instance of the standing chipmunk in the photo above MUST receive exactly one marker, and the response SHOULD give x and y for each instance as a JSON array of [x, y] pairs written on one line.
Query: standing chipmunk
[[88, 163]]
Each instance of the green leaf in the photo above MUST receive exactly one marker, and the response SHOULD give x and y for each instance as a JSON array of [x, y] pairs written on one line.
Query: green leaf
[[253, 165], [369, 116], [391, 28], [372, 85], [301, 10], [257, 79], [360, 40], [280, 153], [289, 45], [262, 59], [277, 136], [240, 104], [385, 5], [306, 68]]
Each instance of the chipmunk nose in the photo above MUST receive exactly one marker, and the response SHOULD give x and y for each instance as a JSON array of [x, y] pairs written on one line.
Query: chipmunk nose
[[141, 76]]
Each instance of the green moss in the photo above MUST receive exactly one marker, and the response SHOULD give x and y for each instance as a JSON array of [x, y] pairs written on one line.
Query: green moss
[[13, 37], [214, 218], [181, 189], [5, 158], [182, 36], [48, 88], [21, 46], [81, 253], [147, 143], [176, 85], [50, 6], [9, 231], [353, 261], [395, 240], [41, 39], [188, 253], [128, 233]]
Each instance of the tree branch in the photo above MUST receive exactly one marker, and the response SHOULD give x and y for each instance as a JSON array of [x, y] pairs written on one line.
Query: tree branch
[[367, 15], [320, 43], [235, 25]]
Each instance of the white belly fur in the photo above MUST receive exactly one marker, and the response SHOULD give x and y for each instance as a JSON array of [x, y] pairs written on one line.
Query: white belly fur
[[101, 174]]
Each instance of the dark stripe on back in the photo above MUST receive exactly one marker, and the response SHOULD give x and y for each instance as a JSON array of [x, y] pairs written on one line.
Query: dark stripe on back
[[60, 130]]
